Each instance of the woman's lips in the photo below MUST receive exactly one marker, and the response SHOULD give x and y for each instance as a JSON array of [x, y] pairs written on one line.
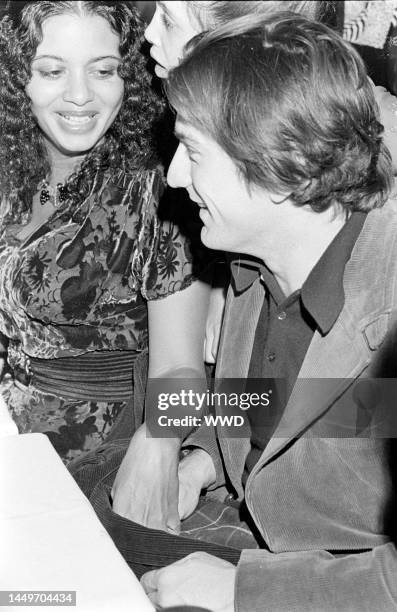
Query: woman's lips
[[77, 121]]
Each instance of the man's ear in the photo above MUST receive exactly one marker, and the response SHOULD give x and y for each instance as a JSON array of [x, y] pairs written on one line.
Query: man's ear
[[280, 198]]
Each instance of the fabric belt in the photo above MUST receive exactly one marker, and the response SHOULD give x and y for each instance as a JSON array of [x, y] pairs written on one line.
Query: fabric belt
[[96, 376]]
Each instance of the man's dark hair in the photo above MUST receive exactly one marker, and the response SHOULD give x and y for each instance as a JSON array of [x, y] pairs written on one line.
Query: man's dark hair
[[290, 102]]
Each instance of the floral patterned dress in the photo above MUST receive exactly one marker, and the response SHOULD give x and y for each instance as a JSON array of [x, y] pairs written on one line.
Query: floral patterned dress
[[79, 284]]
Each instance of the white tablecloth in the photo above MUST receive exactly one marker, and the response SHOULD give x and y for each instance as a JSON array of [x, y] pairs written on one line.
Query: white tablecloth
[[50, 537]]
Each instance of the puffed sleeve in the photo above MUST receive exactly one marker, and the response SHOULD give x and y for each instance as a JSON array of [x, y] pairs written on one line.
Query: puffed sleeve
[[165, 257]]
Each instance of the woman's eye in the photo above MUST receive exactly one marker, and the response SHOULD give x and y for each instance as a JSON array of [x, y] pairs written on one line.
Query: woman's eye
[[105, 72], [51, 74]]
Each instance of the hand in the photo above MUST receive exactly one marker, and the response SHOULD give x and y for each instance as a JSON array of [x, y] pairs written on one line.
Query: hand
[[196, 472], [146, 486], [214, 324], [199, 579]]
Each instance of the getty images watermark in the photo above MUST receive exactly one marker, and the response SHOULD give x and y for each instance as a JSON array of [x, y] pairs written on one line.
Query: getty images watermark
[[345, 408], [207, 400], [176, 406]]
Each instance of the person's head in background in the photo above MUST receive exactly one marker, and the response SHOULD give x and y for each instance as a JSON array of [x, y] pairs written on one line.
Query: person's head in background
[[175, 22], [277, 120], [73, 84]]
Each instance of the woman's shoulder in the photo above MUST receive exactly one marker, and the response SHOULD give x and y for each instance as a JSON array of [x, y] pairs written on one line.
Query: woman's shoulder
[[125, 179], [119, 198], [136, 188]]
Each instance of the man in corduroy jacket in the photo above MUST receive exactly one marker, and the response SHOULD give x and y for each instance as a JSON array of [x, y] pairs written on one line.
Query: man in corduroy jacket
[[281, 149]]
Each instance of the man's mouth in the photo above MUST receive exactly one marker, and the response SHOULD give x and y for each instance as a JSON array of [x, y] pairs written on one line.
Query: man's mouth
[[200, 204], [159, 69]]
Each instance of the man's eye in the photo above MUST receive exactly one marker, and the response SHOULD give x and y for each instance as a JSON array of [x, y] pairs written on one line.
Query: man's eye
[[166, 21], [192, 155]]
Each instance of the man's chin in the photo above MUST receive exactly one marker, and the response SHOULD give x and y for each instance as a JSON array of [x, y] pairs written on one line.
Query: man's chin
[[161, 72], [206, 238]]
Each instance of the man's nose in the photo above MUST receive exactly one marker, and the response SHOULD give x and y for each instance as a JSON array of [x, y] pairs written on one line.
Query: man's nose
[[179, 171], [150, 31]]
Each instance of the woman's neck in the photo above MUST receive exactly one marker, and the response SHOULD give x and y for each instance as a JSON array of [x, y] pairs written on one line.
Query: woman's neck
[[62, 166]]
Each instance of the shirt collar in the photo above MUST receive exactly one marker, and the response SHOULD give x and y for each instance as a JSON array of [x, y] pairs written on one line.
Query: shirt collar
[[322, 293], [245, 270]]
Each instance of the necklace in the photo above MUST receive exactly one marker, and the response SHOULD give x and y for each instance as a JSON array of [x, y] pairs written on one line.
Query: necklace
[[56, 195]]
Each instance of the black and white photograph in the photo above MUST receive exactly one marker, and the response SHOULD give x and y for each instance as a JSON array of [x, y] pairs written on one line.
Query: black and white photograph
[[198, 305]]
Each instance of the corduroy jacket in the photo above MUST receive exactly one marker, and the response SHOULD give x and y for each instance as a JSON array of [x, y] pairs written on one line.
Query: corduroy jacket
[[320, 501]]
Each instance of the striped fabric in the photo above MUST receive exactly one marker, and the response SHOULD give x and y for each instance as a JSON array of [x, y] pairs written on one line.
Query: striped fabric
[[352, 30], [96, 376], [368, 23]]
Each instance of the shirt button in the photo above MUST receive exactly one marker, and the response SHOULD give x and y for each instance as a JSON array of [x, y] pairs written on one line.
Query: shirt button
[[271, 356], [230, 500], [282, 315]]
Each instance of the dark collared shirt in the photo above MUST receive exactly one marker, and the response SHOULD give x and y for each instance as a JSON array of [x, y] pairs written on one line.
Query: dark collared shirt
[[286, 326]]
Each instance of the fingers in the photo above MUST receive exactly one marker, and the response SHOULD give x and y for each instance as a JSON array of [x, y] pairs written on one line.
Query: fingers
[[173, 524], [188, 501], [152, 585], [145, 489], [149, 581], [168, 575], [205, 349], [195, 580], [154, 514], [154, 598], [119, 503], [209, 353]]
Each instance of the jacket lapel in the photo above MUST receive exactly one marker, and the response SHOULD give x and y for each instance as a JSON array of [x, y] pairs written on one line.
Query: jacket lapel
[[238, 332], [330, 365]]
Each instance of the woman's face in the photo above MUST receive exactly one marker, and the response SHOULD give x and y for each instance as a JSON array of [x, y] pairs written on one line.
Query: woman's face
[[170, 29], [75, 89]]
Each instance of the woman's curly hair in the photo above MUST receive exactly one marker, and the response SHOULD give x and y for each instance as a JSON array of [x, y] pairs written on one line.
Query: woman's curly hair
[[129, 144]]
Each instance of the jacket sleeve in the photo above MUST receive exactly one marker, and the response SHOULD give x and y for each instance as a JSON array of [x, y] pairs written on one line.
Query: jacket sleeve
[[314, 581]]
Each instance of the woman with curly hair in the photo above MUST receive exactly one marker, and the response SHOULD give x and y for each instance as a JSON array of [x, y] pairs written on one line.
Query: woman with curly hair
[[89, 274]]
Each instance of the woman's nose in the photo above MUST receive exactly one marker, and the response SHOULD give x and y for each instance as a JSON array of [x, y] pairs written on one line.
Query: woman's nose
[[78, 90]]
